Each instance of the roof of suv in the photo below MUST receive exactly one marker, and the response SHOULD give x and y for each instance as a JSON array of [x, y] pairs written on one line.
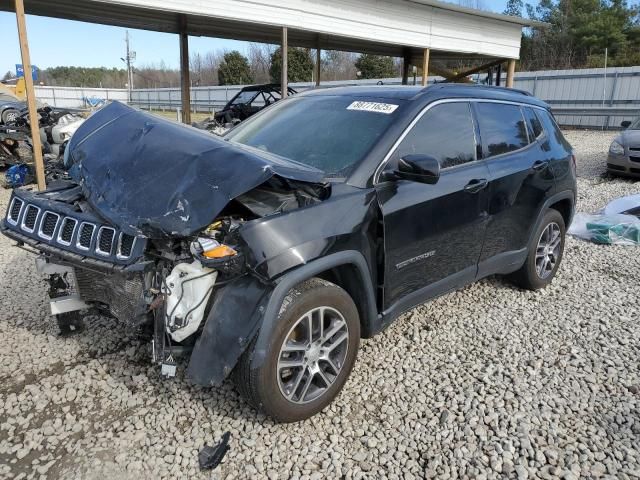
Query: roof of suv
[[433, 92]]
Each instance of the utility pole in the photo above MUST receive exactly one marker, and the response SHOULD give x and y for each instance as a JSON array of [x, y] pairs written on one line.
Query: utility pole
[[129, 58]]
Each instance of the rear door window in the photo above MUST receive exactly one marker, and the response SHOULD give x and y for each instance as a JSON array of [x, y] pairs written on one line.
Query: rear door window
[[502, 128], [445, 132]]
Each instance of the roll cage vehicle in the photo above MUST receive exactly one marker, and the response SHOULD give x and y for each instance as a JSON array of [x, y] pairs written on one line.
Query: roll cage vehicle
[[249, 101], [268, 253]]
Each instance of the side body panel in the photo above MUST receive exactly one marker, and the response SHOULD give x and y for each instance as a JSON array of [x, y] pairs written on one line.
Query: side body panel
[[432, 232], [520, 183]]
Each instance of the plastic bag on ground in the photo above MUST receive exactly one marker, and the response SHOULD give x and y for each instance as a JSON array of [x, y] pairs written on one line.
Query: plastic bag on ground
[[629, 205], [606, 229]]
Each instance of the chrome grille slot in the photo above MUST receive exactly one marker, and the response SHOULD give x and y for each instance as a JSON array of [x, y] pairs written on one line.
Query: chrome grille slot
[[14, 210], [106, 235], [85, 235], [125, 245], [65, 234], [48, 225], [30, 218], [79, 233]]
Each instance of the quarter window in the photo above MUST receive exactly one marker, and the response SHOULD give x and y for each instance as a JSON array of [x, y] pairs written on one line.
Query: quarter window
[[502, 128], [445, 132], [533, 122]]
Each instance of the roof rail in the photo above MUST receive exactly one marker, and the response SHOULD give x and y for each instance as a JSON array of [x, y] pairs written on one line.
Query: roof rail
[[477, 85]]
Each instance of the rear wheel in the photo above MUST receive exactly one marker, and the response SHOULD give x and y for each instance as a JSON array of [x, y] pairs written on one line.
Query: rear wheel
[[310, 353], [544, 255]]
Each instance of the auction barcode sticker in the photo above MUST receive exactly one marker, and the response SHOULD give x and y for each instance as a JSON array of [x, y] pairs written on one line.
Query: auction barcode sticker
[[386, 108]]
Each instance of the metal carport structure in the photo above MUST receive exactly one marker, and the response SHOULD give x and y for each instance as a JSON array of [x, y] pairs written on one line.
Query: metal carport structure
[[419, 31]]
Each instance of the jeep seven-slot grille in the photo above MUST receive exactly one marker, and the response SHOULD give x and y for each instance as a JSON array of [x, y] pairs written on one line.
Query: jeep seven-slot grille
[[69, 232], [48, 225], [66, 232], [85, 235], [14, 213], [30, 216], [105, 240], [126, 245]]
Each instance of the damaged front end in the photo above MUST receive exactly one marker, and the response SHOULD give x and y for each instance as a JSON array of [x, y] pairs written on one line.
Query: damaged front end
[[149, 231]]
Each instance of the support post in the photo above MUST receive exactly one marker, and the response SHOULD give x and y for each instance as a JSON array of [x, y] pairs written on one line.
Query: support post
[[406, 63], [318, 63], [284, 79], [185, 77], [425, 66], [31, 95], [511, 70]]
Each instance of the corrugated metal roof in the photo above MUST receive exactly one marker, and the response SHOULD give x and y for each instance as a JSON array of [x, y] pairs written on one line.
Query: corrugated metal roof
[[386, 27]]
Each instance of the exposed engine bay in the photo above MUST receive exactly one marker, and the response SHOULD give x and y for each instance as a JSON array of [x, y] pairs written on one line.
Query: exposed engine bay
[[162, 286]]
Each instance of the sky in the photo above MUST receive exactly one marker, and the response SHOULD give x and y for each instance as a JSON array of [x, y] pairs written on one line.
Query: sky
[[54, 42]]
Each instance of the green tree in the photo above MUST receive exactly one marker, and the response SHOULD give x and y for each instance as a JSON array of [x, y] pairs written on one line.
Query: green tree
[[234, 69], [579, 32], [514, 8], [299, 65], [375, 66]]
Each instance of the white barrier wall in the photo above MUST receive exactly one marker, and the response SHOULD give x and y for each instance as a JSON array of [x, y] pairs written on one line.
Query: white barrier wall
[[78, 97], [580, 98]]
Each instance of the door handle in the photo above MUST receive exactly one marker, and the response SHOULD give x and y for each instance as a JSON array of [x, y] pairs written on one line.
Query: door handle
[[475, 185], [540, 165]]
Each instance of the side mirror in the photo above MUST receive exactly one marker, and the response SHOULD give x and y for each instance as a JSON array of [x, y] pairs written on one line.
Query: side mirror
[[419, 168], [625, 124]]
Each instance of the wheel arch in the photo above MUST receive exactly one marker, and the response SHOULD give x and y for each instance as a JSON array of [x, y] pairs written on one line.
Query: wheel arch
[[347, 269], [565, 208], [563, 202]]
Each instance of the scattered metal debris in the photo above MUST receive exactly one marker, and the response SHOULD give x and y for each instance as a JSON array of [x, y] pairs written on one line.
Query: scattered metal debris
[[210, 457]]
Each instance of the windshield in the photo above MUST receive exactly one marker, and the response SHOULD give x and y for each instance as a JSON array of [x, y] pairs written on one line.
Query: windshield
[[331, 133], [244, 97], [635, 125]]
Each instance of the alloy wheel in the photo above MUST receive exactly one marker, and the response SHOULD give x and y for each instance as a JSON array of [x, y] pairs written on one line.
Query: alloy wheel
[[12, 117], [312, 355], [548, 250]]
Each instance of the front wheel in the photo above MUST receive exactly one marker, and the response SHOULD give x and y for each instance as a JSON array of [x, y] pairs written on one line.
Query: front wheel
[[10, 115], [310, 354], [545, 254]]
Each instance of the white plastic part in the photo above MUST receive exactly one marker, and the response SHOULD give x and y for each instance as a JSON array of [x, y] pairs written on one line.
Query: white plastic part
[[66, 127], [188, 289]]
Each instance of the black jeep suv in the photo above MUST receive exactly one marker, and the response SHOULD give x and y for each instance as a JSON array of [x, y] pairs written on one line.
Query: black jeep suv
[[269, 253]]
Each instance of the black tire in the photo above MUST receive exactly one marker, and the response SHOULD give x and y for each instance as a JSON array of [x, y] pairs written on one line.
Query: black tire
[[10, 115], [262, 388], [70, 323], [528, 277]]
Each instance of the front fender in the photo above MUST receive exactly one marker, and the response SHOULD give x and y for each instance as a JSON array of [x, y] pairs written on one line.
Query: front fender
[[246, 307], [232, 323]]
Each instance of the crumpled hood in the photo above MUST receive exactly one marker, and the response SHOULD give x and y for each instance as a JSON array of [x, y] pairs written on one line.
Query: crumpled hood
[[153, 177]]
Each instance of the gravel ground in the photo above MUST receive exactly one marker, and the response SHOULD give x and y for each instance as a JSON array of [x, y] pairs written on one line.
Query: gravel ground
[[486, 382]]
